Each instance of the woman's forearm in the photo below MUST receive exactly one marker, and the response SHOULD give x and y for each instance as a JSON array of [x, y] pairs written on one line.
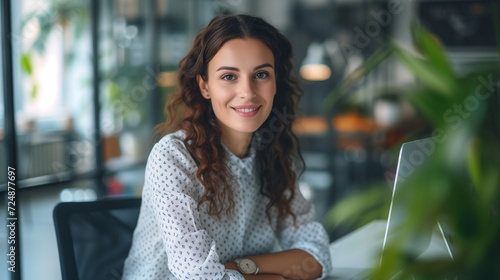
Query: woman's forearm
[[264, 277], [292, 264]]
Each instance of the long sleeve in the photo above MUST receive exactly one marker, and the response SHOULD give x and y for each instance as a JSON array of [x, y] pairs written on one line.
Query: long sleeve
[[190, 250], [170, 204], [308, 234]]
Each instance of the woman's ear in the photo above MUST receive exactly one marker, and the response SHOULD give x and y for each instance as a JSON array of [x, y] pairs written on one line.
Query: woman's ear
[[203, 86]]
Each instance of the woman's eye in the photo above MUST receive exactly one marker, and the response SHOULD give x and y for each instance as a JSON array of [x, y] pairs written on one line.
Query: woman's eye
[[228, 77], [261, 75]]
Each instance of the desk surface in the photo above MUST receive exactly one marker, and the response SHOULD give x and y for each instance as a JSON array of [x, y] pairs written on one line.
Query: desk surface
[[360, 249]]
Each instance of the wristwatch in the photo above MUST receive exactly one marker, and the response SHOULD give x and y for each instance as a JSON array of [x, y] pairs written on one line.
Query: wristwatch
[[247, 266]]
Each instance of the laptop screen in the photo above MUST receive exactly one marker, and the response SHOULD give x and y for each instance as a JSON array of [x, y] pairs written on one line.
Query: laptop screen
[[415, 159]]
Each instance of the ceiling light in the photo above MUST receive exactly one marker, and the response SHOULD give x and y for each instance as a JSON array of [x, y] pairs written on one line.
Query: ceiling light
[[314, 67]]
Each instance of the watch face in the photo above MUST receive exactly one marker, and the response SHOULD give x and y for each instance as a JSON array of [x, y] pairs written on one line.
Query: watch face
[[247, 266]]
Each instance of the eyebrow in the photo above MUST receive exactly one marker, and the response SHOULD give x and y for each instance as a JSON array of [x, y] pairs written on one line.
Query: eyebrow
[[236, 69]]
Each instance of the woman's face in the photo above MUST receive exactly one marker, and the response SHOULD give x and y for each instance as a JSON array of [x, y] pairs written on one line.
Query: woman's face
[[241, 86]]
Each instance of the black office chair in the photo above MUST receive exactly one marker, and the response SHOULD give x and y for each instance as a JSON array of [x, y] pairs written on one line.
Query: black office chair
[[94, 237]]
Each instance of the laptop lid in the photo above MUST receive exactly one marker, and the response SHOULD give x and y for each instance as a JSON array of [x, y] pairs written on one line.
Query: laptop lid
[[413, 157]]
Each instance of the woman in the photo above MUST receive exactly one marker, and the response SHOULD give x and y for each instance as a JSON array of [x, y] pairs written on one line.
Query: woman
[[220, 188]]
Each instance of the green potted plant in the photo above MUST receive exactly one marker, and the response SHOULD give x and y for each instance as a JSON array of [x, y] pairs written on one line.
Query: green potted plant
[[461, 184]]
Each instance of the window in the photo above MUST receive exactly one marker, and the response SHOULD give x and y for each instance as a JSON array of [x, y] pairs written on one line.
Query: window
[[52, 89], [60, 136]]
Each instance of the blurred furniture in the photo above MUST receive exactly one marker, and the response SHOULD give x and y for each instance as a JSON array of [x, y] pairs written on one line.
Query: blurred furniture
[[314, 125], [94, 237], [42, 154]]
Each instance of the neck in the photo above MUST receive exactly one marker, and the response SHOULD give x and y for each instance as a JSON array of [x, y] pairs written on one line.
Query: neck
[[237, 143]]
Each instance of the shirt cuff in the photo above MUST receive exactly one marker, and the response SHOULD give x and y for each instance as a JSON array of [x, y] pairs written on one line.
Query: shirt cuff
[[233, 275], [319, 254]]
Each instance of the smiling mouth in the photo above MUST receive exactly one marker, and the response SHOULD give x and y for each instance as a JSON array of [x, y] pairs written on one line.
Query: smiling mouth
[[247, 110]]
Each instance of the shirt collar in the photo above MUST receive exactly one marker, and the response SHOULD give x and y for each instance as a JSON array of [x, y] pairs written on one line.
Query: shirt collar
[[247, 163]]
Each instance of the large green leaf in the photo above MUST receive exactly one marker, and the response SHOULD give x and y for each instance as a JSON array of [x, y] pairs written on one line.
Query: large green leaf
[[427, 72], [431, 49], [474, 162], [357, 75], [26, 64], [34, 91], [430, 104], [359, 207]]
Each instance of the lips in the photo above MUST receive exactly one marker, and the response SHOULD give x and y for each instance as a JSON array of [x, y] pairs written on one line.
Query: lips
[[247, 111]]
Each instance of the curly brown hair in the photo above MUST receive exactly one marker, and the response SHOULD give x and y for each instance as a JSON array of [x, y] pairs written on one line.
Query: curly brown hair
[[277, 145]]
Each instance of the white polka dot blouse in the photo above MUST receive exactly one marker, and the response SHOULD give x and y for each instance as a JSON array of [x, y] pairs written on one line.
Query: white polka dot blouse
[[176, 240]]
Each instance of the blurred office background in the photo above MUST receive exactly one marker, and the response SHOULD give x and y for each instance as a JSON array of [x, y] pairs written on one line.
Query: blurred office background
[[90, 80]]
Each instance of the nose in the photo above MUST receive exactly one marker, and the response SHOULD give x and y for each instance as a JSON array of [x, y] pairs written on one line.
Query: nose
[[246, 89]]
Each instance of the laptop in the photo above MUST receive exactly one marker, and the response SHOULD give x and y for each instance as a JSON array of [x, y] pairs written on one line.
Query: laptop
[[355, 255]]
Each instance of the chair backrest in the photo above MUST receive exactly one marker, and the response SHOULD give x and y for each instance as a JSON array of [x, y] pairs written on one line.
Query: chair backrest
[[94, 237]]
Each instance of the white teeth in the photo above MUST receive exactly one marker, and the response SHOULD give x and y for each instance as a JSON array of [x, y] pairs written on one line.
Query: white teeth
[[246, 110]]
